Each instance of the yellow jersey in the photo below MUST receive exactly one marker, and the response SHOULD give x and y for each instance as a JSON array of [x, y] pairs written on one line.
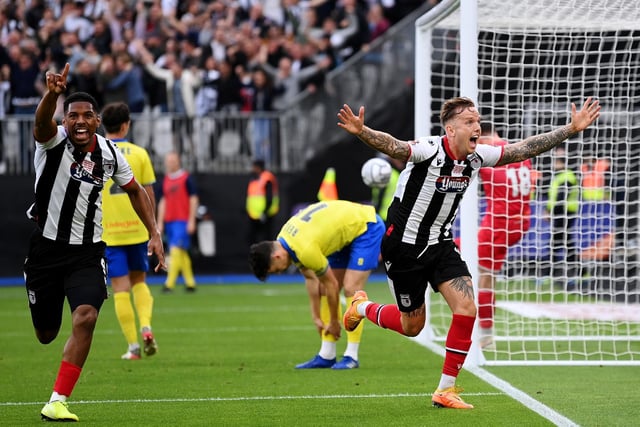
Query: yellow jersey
[[119, 220], [323, 228]]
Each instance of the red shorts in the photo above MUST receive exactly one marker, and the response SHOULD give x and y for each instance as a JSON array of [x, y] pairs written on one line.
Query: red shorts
[[494, 239]]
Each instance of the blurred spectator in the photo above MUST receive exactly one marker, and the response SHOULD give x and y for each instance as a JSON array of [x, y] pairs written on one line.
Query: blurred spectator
[[106, 73], [263, 96], [207, 94], [84, 78], [129, 77], [351, 29]]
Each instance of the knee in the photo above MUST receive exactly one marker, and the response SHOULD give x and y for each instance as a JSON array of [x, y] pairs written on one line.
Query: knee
[[412, 328], [466, 308], [85, 317]]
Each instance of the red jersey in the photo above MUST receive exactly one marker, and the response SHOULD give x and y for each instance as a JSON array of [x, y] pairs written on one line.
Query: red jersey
[[507, 189], [176, 189]]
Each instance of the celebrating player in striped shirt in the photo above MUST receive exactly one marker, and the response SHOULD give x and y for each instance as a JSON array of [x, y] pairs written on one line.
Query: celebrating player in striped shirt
[[418, 249], [66, 251]]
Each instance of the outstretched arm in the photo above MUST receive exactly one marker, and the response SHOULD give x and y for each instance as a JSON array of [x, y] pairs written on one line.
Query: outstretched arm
[[534, 145], [377, 140]]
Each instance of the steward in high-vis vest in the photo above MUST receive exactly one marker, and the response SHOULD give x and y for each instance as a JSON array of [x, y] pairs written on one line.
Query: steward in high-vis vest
[[563, 205], [263, 202]]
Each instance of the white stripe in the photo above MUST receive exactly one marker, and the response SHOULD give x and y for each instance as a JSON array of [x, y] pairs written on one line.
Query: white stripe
[[248, 398]]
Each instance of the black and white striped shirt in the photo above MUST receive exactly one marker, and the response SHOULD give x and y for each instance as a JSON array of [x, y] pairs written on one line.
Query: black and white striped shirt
[[68, 187], [430, 189]]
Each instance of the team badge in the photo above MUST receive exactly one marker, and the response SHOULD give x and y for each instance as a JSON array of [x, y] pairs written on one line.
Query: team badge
[[405, 300], [108, 166], [475, 161]]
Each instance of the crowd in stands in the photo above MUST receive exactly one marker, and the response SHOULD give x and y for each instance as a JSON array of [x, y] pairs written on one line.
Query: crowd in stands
[[188, 57]]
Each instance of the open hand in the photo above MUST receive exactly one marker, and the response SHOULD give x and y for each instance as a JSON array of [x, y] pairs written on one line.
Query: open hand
[[580, 120], [349, 121]]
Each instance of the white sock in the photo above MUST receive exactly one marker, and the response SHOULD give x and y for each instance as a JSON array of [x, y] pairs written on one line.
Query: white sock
[[328, 350], [486, 332], [362, 308], [57, 397], [352, 350], [133, 347], [446, 381]]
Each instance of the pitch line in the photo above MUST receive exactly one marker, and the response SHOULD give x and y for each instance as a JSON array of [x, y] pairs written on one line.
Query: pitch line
[[247, 398], [507, 389]]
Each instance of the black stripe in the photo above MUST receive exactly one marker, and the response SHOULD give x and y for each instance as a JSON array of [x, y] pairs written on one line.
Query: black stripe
[[65, 221], [46, 181]]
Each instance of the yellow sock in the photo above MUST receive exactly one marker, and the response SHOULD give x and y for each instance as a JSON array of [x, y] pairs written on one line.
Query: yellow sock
[[356, 335], [126, 317], [187, 270], [173, 269], [325, 315], [143, 301]]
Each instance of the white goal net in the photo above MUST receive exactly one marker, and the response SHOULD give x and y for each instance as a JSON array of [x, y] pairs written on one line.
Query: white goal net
[[575, 301]]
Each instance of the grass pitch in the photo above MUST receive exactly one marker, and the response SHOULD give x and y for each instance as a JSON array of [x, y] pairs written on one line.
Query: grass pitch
[[226, 358]]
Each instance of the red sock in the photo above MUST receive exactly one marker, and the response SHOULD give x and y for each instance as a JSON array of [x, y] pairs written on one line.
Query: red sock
[[67, 377], [457, 344], [385, 316], [486, 304]]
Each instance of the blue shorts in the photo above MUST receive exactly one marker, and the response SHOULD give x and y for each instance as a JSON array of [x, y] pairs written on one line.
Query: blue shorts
[[177, 235], [123, 259], [363, 253]]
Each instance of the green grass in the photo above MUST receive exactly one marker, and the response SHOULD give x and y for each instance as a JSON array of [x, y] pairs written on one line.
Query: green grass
[[226, 359]]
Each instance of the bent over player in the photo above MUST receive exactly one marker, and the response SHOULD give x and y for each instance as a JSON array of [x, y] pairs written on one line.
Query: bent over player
[[336, 245]]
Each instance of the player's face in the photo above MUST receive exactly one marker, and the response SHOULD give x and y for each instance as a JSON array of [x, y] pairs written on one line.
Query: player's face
[[81, 122], [465, 131]]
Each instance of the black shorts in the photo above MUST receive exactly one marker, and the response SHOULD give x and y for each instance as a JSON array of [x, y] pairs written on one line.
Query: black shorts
[[410, 272], [54, 271]]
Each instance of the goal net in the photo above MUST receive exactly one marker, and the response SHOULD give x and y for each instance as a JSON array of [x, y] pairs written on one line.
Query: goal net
[[575, 301]]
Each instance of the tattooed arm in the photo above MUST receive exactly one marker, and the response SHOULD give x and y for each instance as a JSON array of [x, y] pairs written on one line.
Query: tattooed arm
[[534, 145], [377, 140]]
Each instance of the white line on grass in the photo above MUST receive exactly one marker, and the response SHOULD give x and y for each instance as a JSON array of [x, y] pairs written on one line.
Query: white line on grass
[[518, 395], [247, 398]]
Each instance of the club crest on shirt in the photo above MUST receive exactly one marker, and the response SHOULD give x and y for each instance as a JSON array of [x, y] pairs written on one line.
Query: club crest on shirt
[[108, 166], [452, 184], [475, 160]]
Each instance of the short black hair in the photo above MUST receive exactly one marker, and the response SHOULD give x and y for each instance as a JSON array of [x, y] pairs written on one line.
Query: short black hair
[[260, 259], [79, 97], [114, 115], [259, 163]]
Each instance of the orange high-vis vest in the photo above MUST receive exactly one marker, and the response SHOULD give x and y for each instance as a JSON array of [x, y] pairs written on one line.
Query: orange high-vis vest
[[257, 196], [328, 189], [593, 180]]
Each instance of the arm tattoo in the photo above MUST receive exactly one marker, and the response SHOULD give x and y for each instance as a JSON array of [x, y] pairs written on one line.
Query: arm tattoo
[[385, 143], [535, 145], [463, 285]]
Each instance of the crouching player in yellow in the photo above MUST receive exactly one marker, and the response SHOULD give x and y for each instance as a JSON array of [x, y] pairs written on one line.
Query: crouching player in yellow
[[126, 237], [335, 244]]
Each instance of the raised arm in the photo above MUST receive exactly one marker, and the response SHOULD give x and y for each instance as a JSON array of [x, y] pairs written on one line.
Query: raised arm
[[45, 127], [537, 144], [377, 140]]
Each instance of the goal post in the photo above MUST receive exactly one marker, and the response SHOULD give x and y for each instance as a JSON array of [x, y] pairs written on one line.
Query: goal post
[[525, 64]]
